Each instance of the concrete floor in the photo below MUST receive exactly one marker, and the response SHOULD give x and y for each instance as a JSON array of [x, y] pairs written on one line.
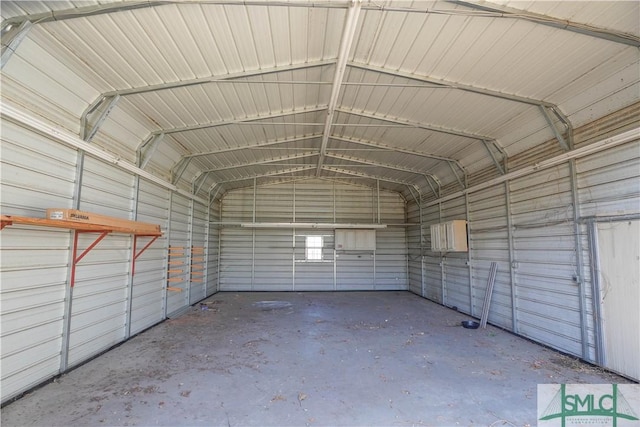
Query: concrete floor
[[316, 359]]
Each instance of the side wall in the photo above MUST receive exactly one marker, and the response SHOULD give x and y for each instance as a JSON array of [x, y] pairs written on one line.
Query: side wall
[[46, 326], [535, 228], [273, 259]]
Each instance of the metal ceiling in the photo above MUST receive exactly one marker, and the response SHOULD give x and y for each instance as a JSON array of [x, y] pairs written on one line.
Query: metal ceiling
[[410, 96]]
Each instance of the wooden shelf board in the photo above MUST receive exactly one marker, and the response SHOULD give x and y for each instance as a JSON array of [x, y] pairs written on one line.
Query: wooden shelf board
[[73, 225]]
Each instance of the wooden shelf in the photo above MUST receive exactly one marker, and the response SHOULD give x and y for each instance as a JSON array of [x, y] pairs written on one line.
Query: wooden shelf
[[79, 227], [73, 225]]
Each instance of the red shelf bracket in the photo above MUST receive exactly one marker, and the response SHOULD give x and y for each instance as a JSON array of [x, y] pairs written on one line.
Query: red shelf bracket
[[76, 258], [137, 254]]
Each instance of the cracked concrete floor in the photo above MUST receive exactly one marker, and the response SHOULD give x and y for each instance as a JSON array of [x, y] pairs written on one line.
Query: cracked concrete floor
[[308, 359]]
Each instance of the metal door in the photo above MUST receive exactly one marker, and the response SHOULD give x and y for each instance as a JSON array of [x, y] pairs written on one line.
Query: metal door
[[619, 295]]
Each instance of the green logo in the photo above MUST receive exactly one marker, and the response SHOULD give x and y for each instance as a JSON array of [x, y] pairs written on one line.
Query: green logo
[[604, 405]]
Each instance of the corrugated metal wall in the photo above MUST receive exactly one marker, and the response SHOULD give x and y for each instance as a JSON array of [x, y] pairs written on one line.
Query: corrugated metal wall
[[274, 258], [108, 304], [535, 228], [608, 187], [147, 305], [99, 310], [34, 267], [489, 242]]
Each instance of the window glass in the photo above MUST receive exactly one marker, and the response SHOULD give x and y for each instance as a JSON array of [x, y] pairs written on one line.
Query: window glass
[[314, 248]]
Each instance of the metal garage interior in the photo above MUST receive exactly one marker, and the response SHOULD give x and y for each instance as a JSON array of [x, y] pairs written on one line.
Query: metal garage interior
[[298, 146]]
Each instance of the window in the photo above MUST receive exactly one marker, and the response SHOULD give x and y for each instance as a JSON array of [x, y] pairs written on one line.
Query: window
[[314, 248]]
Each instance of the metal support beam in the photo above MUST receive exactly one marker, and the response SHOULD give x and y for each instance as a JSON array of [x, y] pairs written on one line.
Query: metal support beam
[[462, 184], [435, 193], [493, 157], [12, 36], [396, 149], [258, 145], [418, 125], [563, 143], [348, 35], [515, 326], [580, 273], [451, 84], [264, 161], [92, 119], [371, 177], [146, 151], [209, 79], [198, 181], [374, 164], [499, 11], [179, 169], [273, 173], [244, 120]]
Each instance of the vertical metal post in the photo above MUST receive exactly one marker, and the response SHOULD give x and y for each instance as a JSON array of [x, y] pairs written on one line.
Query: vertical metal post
[[73, 238], [512, 261], [335, 253], [253, 236], [470, 267], [333, 184], [293, 241], [219, 273], [207, 241], [582, 294], [189, 260], [165, 296], [378, 197], [442, 273], [594, 253], [422, 284], [134, 240]]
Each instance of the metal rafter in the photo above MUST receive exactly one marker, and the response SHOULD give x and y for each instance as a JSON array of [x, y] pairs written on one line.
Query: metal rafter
[[500, 11], [148, 147], [197, 81], [371, 177], [267, 174], [348, 35], [239, 121], [451, 84], [369, 163], [408, 123], [400, 150], [473, 89], [255, 146], [264, 161], [12, 36]]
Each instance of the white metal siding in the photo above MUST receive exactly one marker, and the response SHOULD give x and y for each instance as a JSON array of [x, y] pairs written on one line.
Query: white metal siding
[[36, 174], [545, 256], [198, 288], [274, 258], [147, 306], [99, 310], [489, 242], [213, 249], [414, 249], [431, 261], [608, 186], [456, 270], [272, 261]]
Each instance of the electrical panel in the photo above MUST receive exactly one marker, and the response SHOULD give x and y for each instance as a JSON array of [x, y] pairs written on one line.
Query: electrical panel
[[355, 240], [449, 236]]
